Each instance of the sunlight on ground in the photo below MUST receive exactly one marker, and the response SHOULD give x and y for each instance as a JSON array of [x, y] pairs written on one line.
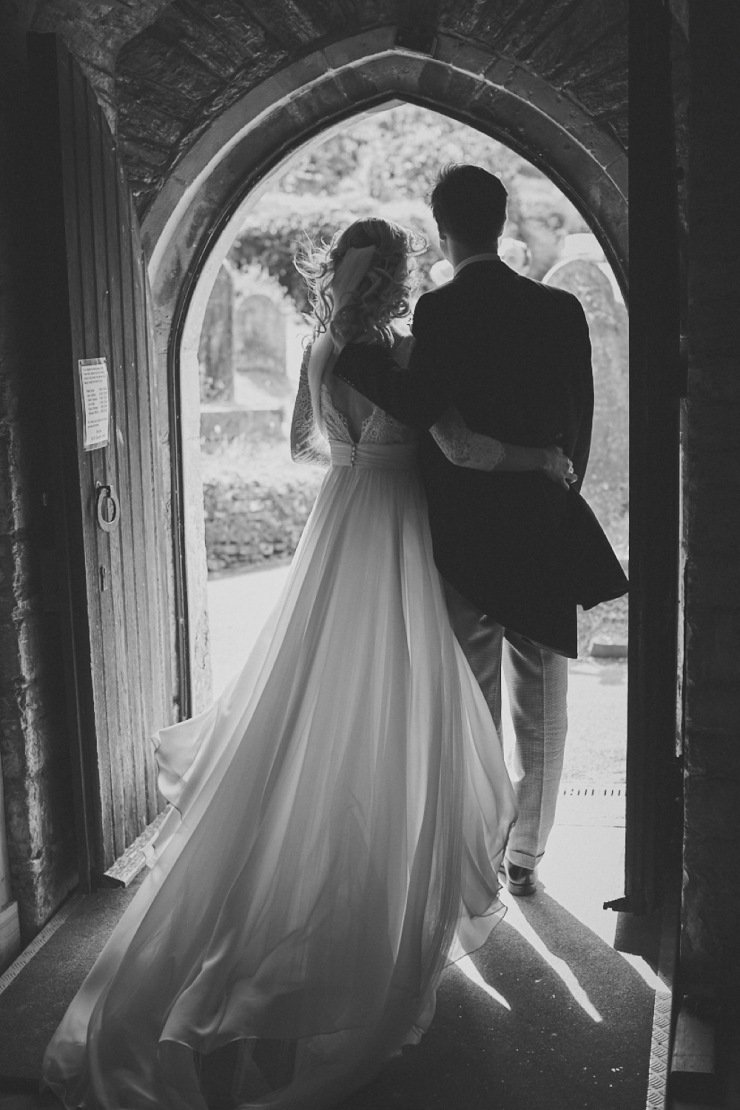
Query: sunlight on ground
[[518, 921], [584, 868], [515, 917], [644, 970]]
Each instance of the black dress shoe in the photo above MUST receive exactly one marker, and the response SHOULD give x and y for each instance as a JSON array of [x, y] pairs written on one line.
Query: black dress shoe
[[520, 881]]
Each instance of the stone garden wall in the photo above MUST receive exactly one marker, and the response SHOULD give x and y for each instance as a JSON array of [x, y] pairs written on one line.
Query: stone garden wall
[[38, 857]]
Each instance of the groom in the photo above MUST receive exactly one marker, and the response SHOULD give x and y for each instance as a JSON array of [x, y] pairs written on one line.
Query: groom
[[516, 551]]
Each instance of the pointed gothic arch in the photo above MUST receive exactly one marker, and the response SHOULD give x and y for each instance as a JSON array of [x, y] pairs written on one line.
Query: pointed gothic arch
[[192, 222]]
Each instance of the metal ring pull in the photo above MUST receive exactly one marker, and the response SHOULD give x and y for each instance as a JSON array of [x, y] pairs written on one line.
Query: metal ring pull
[[107, 507]]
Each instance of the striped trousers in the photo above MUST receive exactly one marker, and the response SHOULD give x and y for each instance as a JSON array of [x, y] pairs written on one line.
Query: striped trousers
[[537, 686]]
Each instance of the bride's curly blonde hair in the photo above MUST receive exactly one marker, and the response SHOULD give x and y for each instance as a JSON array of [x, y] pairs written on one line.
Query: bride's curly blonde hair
[[383, 293]]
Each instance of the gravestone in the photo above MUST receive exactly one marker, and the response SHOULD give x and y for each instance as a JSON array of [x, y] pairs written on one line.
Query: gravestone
[[544, 235], [607, 475], [259, 348], [244, 386], [215, 350]]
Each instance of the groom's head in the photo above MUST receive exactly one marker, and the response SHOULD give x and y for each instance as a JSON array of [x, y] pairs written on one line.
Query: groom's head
[[469, 205]]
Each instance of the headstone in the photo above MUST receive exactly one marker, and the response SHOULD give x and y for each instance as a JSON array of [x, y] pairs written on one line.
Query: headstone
[[215, 350], [544, 236], [259, 334], [592, 282]]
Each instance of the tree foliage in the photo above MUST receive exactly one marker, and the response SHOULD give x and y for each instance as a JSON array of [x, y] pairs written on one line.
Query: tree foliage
[[271, 235], [386, 163]]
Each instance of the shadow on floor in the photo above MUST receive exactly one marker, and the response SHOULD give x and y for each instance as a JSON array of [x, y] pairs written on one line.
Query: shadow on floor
[[548, 1015], [545, 1017]]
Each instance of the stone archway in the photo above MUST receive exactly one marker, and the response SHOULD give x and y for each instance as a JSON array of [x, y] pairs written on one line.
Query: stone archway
[[192, 222]]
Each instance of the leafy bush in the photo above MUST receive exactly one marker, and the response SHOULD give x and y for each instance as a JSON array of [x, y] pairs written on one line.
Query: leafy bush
[[256, 503], [271, 235], [386, 165]]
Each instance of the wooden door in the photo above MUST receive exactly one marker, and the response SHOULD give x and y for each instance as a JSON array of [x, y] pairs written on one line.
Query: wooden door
[[657, 384], [110, 521]]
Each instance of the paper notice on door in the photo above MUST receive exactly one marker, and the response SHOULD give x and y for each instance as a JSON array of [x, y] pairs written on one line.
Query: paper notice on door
[[95, 402]]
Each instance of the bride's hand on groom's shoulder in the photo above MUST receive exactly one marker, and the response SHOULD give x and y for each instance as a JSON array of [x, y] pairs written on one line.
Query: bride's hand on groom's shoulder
[[558, 467]]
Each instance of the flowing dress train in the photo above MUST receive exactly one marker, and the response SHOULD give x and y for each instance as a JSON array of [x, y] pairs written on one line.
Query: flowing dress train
[[338, 818]]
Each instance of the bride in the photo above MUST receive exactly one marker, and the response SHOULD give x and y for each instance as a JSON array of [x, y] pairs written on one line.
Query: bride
[[338, 816]]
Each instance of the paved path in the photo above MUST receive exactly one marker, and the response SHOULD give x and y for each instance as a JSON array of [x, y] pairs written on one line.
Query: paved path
[[597, 701]]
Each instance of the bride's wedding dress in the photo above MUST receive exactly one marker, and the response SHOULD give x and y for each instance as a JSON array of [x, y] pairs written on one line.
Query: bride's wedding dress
[[338, 820]]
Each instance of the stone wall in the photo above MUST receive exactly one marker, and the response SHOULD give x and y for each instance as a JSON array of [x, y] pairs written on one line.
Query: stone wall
[[711, 900], [165, 100], [34, 741]]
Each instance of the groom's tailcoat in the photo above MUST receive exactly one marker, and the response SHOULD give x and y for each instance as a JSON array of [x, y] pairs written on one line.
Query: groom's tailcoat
[[514, 357]]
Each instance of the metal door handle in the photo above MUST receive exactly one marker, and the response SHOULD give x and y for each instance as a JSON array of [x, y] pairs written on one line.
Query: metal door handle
[[107, 507]]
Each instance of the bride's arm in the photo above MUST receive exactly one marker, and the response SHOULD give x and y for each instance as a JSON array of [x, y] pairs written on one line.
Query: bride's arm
[[306, 442], [480, 452]]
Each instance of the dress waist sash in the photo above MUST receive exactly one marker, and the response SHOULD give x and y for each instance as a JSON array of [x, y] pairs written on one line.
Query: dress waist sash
[[376, 456]]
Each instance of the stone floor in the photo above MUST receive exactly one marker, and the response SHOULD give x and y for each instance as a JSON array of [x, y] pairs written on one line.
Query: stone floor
[[554, 1013]]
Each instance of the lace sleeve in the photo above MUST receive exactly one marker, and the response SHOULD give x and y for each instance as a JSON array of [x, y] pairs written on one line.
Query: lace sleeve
[[306, 441], [465, 448]]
